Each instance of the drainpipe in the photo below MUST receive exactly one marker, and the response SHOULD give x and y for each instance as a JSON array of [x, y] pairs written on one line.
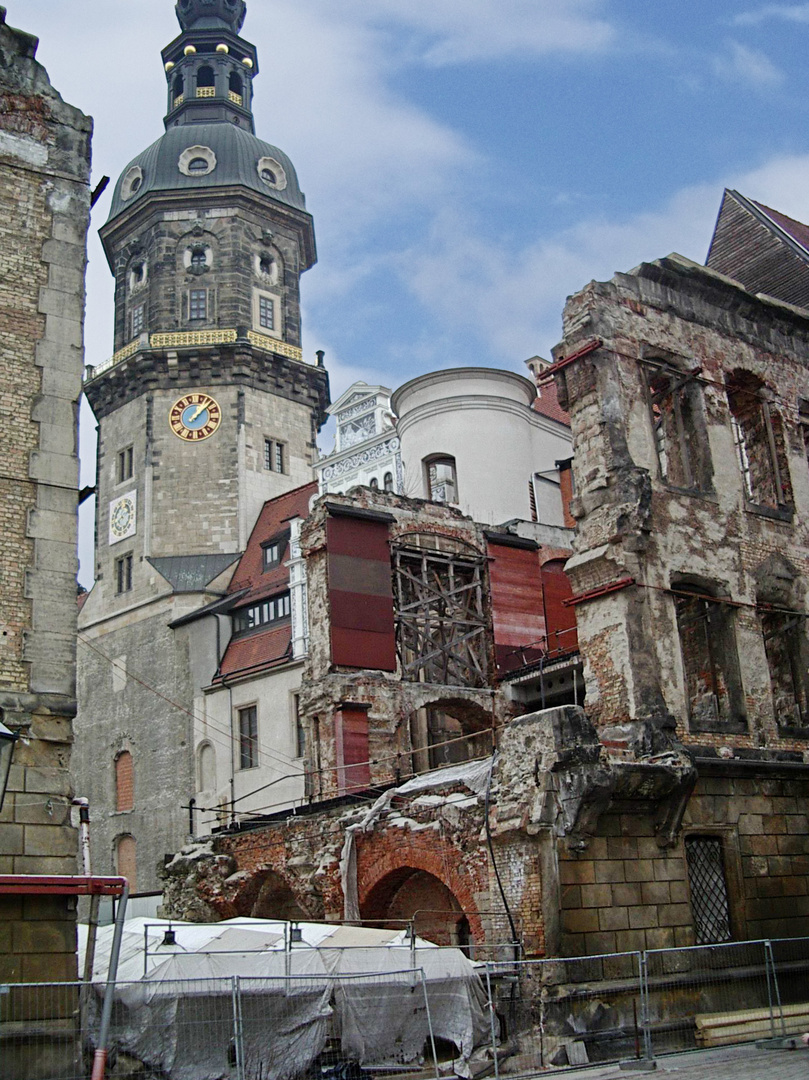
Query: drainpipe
[[92, 920], [100, 1059]]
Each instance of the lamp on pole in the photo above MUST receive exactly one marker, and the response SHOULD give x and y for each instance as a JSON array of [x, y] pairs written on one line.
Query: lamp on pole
[[7, 740]]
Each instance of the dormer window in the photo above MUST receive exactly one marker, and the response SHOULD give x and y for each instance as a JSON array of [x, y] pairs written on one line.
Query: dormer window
[[198, 165], [261, 614]]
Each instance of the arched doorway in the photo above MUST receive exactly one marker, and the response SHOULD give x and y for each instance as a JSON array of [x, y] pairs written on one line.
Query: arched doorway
[[409, 893], [269, 897]]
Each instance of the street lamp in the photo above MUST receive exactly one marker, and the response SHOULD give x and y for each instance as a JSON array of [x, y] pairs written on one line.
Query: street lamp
[[7, 740]]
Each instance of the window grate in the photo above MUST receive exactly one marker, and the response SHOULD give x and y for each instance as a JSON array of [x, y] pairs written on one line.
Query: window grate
[[710, 903]]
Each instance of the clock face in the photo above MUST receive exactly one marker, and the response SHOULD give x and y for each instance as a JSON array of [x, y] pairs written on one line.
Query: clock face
[[195, 417], [123, 517]]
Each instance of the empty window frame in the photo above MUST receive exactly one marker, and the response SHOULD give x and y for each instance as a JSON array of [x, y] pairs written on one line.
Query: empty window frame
[[300, 730], [785, 646], [248, 737], [124, 782], [387, 482], [681, 441], [126, 464], [442, 479], [707, 881], [759, 440], [123, 574], [713, 688], [198, 304], [261, 614], [138, 320], [275, 456], [439, 738], [442, 632]]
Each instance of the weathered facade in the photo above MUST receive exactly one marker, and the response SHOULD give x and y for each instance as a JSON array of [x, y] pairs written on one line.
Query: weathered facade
[[44, 211], [690, 564]]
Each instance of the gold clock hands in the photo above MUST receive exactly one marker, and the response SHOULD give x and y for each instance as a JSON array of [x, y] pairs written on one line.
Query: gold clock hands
[[200, 409]]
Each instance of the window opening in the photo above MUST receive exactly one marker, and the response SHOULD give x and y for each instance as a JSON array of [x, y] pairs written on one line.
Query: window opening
[[126, 860], [266, 312], [126, 459], [274, 455], [680, 437], [783, 643], [439, 737], [123, 574], [135, 184], [388, 481], [441, 627], [199, 256], [261, 614], [235, 88], [442, 485], [300, 731], [198, 304], [710, 661], [198, 165], [137, 321], [373, 483], [272, 555], [759, 440], [266, 265], [205, 77], [710, 903], [269, 176], [248, 737], [138, 273], [178, 90]]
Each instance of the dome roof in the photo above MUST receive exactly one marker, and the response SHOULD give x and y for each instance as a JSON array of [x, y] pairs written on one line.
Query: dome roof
[[196, 157]]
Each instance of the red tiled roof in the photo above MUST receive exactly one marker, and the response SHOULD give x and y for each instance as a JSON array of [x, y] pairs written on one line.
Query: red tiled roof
[[796, 229], [272, 521], [547, 403], [255, 651]]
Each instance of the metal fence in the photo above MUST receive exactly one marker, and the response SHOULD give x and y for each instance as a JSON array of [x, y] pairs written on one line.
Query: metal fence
[[530, 1016]]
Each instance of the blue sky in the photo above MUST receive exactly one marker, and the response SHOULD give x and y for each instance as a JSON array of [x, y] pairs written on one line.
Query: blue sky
[[468, 163]]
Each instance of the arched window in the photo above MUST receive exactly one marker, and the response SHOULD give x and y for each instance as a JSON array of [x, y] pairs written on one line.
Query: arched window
[[126, 860], [178, 89], [442, 481], [207, 767], [374, 483], [124, 782], [235, 88], [205, 79], [199, 256], [388, 481]]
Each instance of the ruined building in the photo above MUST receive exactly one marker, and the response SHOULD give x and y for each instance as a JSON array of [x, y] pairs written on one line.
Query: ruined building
[[44, 212], [671, 809]]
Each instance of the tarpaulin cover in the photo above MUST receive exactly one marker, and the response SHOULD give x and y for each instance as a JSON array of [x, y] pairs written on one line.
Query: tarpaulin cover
[[364, 988]]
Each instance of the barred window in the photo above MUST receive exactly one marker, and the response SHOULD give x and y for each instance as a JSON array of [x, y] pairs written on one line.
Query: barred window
[[248, 737], [710, 903], [675, 404], [198, 304]]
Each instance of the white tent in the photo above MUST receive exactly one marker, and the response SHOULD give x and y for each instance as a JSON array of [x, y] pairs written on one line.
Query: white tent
[[354, 992]]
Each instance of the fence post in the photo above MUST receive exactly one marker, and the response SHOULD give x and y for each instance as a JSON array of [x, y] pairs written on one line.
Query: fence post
[[773, 989], [645, 1010], [238, 1028], [492, 1017], [430, 1022]]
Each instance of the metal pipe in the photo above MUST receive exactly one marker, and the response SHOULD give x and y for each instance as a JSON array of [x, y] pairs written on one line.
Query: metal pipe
[[84, 834], [100, 1059]]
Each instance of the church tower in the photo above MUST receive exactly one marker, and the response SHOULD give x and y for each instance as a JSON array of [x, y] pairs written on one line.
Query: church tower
[[206, 409]]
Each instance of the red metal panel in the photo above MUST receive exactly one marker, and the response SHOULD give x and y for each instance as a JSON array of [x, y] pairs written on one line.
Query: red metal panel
[[40, 884], [351, 749], [360, 594], [517, 614], [560, 618]]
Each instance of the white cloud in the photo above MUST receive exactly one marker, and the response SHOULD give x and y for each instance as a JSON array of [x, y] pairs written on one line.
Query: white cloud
[[517, 294], [738, 63], [449, 32], [798, 13]]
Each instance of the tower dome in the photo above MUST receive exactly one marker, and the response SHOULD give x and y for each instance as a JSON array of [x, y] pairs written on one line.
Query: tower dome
[[211, 13]]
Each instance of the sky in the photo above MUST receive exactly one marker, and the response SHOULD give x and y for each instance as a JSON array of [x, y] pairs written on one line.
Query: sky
[[469, 163]]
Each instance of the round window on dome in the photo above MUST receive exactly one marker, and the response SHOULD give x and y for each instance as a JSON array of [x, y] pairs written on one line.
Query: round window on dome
[[132, 183], [272, 173], [197, 161]]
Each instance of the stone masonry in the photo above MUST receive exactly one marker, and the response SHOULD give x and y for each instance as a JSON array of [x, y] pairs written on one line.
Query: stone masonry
[[44, 211]]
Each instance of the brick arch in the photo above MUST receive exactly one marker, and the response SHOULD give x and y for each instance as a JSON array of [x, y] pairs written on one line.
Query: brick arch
[[387, 862], [266, 894]]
